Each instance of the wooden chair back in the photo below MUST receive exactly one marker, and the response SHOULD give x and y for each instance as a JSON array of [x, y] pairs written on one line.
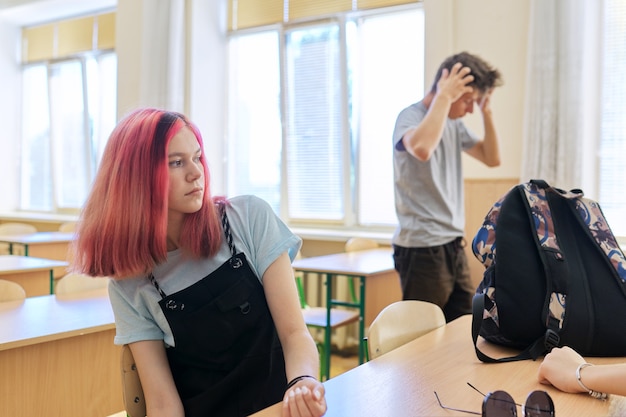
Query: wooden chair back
[[134, 401], [67, 227], [15, 228], [360, 243], [75, 283], [401, 322], [11, 291]]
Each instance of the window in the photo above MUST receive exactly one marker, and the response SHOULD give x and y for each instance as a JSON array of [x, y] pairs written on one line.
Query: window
[[312, 109], [254, 126], [613, 123], [315, 124], [69, 102], [68, 112]]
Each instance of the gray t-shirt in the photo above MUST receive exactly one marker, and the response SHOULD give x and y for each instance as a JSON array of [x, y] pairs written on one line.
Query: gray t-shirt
[[429, 195], [256, 231]]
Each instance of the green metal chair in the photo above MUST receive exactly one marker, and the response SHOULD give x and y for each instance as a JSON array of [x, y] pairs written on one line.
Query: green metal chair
[[356, 244], [319, 318]]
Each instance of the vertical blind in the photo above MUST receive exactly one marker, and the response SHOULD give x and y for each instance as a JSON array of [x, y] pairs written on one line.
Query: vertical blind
[[244, 14], [68, 37]]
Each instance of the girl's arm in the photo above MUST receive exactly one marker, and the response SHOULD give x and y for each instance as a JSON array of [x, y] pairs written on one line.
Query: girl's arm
[[306, 397], [559, 369], [162, 398]]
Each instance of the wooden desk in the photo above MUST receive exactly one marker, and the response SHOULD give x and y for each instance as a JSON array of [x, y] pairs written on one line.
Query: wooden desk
[[402, 382], [48, 245], [57, 357], [36, 275], [373, 268]]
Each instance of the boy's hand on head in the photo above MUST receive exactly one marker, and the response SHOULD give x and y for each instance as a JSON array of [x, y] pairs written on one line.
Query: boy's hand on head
[[454, 83], [484, 102]]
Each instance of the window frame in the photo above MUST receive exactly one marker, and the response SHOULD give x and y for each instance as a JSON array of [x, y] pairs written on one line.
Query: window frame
[[351, 136], [89, 154]]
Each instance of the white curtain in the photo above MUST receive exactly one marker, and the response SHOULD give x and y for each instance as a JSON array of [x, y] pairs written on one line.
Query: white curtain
[[561, 116], [164, 40]]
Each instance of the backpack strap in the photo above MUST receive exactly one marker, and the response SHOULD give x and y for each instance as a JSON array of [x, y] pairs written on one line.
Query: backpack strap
[[533, 351], [552, 257]]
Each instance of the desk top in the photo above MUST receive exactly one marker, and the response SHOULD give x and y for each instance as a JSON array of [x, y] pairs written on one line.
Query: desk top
[[38, 238], [358, 263], [402, 382], [10, 264], [50, 317]]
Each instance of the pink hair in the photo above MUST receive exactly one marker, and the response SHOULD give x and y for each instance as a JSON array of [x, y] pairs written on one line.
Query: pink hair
[[123, 224]]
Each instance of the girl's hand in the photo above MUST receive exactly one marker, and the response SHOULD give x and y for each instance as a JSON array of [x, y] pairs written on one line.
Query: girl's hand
[[559, 369], [305, 399]]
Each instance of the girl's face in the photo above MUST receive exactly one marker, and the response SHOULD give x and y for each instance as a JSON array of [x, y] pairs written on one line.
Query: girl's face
[[186, 174]]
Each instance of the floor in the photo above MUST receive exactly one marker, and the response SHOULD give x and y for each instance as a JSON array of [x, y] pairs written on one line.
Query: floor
[[340, 363]]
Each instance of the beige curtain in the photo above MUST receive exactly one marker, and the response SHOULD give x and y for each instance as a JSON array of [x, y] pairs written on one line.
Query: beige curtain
[[561, 117], [164, 39]]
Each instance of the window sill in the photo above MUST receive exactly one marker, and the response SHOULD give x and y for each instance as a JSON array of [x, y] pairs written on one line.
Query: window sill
[[25, 216], [336, 235]]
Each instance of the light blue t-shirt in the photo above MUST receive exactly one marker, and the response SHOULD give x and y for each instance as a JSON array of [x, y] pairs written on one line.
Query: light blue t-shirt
[[256, 231], [429, 194]]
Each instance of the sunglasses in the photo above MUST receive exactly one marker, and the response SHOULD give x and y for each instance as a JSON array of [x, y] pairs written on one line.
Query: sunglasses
[[501, 404]]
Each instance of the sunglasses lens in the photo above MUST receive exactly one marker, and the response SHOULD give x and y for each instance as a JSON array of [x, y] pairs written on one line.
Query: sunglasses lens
[[499, 404], [538, 404]]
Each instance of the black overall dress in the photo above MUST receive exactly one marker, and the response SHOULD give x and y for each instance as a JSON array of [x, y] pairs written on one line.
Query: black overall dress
[[227, 360]]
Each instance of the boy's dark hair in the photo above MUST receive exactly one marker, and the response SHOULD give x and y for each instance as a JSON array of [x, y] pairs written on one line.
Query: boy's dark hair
[[485, 76]]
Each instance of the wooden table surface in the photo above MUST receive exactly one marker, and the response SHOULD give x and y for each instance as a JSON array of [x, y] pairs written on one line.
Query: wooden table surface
[[34, 274], [402, 382], [50, 317], [10, 264], [38, 238], [57, 357], [361, 263], [48, 245]]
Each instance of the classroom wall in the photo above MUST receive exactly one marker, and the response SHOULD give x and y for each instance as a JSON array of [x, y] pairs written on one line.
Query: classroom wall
[[497, 31]]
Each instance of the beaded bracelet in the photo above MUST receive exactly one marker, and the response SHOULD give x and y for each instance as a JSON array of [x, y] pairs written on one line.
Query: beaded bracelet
[[594, 394], [298, 379]]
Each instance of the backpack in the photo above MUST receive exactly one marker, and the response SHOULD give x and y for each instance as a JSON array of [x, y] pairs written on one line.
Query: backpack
[[557, 278]]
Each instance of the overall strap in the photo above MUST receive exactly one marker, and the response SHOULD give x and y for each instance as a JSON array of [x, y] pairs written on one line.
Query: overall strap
[[226, 227], [156, 285]]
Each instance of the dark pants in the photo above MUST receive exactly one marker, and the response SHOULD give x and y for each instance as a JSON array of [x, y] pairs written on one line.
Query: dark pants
[[438, 274]]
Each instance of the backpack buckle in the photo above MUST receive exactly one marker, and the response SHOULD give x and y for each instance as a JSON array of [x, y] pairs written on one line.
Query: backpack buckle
[[551, 339]]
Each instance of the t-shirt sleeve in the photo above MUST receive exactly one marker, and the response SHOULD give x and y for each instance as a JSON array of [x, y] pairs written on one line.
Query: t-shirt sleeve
[[132, 322], [265, 235], [407, 119]]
